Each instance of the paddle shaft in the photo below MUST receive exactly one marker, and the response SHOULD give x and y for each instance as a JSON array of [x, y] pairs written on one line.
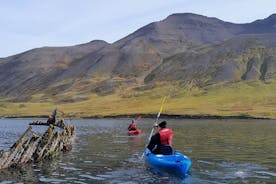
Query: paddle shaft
[[155, 122]]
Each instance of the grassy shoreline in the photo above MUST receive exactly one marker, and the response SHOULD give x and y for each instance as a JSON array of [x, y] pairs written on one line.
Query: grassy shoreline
[[168, 116], [244, 100]]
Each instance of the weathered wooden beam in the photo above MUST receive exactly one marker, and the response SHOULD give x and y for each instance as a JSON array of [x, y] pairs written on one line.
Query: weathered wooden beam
[[19, 141], [59, 123]]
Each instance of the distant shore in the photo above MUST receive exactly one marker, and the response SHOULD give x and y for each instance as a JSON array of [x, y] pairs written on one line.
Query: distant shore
[[169, 116]]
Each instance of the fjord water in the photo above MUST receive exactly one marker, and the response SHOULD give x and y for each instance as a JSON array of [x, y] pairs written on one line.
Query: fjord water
[[222, 151]]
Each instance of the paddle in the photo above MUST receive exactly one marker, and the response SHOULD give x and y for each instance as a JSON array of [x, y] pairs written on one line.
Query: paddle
[[155, 122], [138, 118]]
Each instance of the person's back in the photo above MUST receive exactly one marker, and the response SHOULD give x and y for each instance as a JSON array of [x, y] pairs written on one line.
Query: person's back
[[132, 126], [161, 142], [165, 136]]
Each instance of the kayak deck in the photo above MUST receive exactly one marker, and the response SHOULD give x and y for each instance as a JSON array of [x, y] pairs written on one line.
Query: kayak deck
[[177, 163]]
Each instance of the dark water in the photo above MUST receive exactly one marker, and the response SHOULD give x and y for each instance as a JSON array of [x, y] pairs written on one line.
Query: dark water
[[222, 151]]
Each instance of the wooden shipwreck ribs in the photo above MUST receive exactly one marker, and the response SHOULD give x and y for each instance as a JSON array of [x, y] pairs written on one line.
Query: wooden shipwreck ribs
[[32, 147]]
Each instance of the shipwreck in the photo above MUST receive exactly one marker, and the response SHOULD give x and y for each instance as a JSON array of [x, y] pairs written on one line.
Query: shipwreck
[[34, 147]]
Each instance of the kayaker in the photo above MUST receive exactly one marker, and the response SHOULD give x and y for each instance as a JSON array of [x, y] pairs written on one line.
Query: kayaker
[[132, 126], [161, 142]]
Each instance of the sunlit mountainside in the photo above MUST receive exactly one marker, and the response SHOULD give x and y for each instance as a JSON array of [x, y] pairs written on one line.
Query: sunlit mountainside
[[204, 65]]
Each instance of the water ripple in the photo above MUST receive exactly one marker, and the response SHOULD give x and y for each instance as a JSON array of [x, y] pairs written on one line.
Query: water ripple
[[91, 177]]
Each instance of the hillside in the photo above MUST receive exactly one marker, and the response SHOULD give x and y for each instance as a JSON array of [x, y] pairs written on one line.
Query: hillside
[[245, 57], [194, 59]]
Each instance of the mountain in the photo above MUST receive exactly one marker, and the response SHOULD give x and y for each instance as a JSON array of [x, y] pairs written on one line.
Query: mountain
[[244, 57], [262, 26], [186, 50]]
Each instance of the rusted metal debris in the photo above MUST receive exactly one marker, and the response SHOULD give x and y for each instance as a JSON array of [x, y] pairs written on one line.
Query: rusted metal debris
[[32, 147]]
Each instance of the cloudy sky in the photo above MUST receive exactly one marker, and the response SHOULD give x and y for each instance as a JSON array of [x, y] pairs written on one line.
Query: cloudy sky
[[28, 24]]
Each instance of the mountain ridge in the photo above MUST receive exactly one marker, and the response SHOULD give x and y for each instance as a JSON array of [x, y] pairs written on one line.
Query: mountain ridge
[[189, 50]]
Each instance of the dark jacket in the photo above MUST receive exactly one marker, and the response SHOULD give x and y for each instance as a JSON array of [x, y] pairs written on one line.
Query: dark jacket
[[155, 146]]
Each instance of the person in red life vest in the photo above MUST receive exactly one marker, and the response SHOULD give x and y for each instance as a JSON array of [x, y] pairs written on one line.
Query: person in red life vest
[[132, 126], [161, 142]]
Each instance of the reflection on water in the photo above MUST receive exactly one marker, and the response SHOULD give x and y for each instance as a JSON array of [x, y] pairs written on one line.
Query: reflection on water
[[222, 151]]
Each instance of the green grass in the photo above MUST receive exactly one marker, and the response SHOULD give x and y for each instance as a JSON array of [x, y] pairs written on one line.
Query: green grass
[[255, 99]]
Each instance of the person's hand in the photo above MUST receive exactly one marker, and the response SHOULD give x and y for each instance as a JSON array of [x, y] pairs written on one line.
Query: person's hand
[[155, 125]]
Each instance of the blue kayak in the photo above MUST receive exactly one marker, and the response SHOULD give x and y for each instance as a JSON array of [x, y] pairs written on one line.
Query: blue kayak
[[177, 163]]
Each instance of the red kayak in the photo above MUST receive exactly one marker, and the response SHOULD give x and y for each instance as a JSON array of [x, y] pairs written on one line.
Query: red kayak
[[135, 132]]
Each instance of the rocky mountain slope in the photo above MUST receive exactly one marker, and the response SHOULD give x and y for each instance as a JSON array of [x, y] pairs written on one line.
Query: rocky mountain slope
[[185, 48]]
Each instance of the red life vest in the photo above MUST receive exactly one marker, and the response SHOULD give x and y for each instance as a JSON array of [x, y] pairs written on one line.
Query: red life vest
[[132, 126], [166, 135]]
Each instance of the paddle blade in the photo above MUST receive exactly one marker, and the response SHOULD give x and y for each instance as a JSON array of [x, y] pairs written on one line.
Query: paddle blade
[[139, 118]]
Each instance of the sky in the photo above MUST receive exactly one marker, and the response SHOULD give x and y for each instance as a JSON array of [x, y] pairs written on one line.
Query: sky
[[28, 24]]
